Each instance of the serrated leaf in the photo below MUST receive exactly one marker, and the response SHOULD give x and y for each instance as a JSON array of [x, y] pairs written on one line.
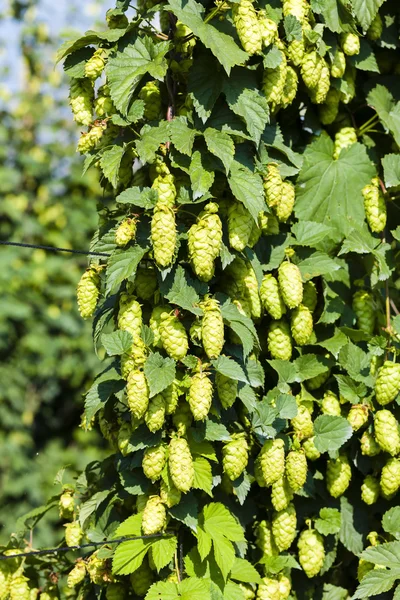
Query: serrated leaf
[[243, 326], [241, 487], [309, 233], [244, 571], [335, 343], [202, 475], [178, 288], [205, 83], [310, 365], [391, 521], [137, 196], [74, 64], [110, 163], [182, 136], [286, 406], [375, 582], [130, 527], [163, 550], [219, 521], [273, 57], [215, 432], [160, 372], [167, 590], [329, 191], [388, 110], [230, 368], [350, 537], [201, 176], [275, 564], [248, 188], [366, 10], [129, 556], [365, 60], [224, 553], [232, 591], [391, 169], [204, 543], [194, 589], [335, 14], [107, 383], [329, 521], [186, 511], [334, 592], [121, 265], [150, 139], [292, 28], [221, 145], [387, 554], [331, 432], [117, 342]]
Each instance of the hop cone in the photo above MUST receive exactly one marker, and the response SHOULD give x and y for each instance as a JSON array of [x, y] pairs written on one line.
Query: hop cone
[[268, 589], [358, 416], [247, 26], [142, 579], [330, 109], [103, 105], [155, 324], [154, 517], [330, 404], [310, 450], [387, 432], [200, 395], [19, 588], [369, 446], [273, 84], [137, 392], [279, 340], [311, 69], [145, 283], [88, 292], [164, 185], [135, 358], [155, 414], [296, 469], [227, 389], [95, 65], [319, 93], [338, 66], [124, 436], [150, 94], [370, 490], [247, 591], [265, 539], [171, 396], [344, 138], [235, 455], [98, 570], [338, 475], [66, 504], [73, 533], [173, 336], [182, 417], [163, 235], [268, 28], [297, 8], [154, 459], [240, 224], [273, 186], [363, 306], [285, 586], [387, 384], [81, 100], [350, 43], [271, 297], [301, 325], [212, 328], [284, 525], [272, 460], [375, 29], [170, 496], [126, 231], [350, 79], [289, 93], [311, 552], [201, 248], [302, 423], [90, 140], [390, 478], [295, 51], [284, 208], [290, 284], [130, 315], [374, 206], [77, 575], [281, 494], [180, 464]]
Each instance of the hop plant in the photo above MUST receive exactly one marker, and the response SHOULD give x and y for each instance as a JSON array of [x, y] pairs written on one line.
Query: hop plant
[[66, 504], [319, 93], [155, 414], [154, 459], [145, 283], [344, 138], [338, 475], [244, 278], [182, 417], [240, 224], [126, 231], [338, 66], [363, 306], [350, 43], [227, 389], [281, 494], [369, 446], [310, 450], [273, 84], [273, 186], [374, 206], [268, 29], [173, 336], [311, 552], [387, 431], [88, 292], [235, 455], [330, 404], [288, 95], [19, 588], [318, 381], [137, 393], [115, 591], [301, 325], [180, 464], [268, 589], [171, 396], [296, 469], [77, 574], [205, 241], [272, 460], [370, 490], [271, 297], [297, 8], [285, 586], [311, 69], [302, 423], [390, 478], [310, 296], [295, 52], [163, 234], [265, 539], [103, 105], [247, 26], [98, 570], [164, 185], [200, 395], [130, 315], [283, 209], [358, 416], [151, 96], [328, 111], [170, 496], [73, 533], [95, 65], [142, 579], [284, 525], [387, 385], [154, 517], [212, 328], [81, 100], [279, 340], [290, 284], [155, 324]]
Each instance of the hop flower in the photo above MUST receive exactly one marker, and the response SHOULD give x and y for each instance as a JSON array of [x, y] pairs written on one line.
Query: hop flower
[[240, 224], [235, 455], [330, 404], [98, 570], [73, 533], [103, 105], [173, 336], [273, 83], [155, 324], [310, 450], [130, 315], [142, 579], [344, 138], [150, 94], [273, 186], [247, 26], [358, 416], [247, 591], [77, 575], [285, 586], [245, 281], [90, 140], [370, 490], [330, 109], [155, 414], [283, 209], [81, 100], [295, 51], [296, 469], [180, 464], [338, 66], [268, 29], [387, 432], [311, 69], [310, 297], [154, 459], [126, 231], [200, 395], [284, 525], [281, 494], [272, 460], [311, 552], [363, 306], [154, 517], [338, 475], [289, 94], [137, 393], [301, 325], [66, 504], [350, 43], [271, 297], [319, 93], [369, 446], [212, 328], [163, 234], [95, 65], [227, 389], [374, 31], [205, 241], [297, 8], [145, 283], [387, 384], [290, 284], [135, 358], [268, 589], [171, 396], [302, 423], [19, 588], [182, 417], [349, 78], [390, 478], [164, 185], [170, 496], [279, 340], [374, 206], [265, 539], [88, 292], [124, 437]]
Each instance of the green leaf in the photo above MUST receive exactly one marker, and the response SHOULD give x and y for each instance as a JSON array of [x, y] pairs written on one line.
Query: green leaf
[[137, 196], [182, 136], [396, 595], [335, 343], [121, 265], [309, 233], [221, 145], [74, 64], [248, 188], [205, 83], [179, 289], [230, 368], [150, 139], [224, 554], [329, 521], [243, 326], [387, 554], [350, 537], [219, 521], [110, 163], [193, 589], [329, 191], [117, 342], [167, 590], [365, 60], [202, 475], [360, 241], [163, 550], [190, 13], [286, 406], [160, 372], [244, 571], [107, 383], [310, 365], [391, 521], [331, 432], [366, 10], [90, 37], [129, 556], [130, 527], [375, 582], [232, 591], [201, 176], [335, 14], [334, 592], [126, 68], [275, 564], [391, 169], [204, 543], [215, 432], [388, 111], [293, 28]]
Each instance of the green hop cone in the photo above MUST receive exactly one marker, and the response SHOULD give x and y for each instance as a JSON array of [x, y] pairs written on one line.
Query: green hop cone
[[319, 93], [265, 540], [73, 533], [171, 396], [297, 8], [200, 395], [344, 138], [182, 417], [310, 450], [146, 283], [180, 464], [81, 100], [88, 292], [123, 440], [390, 478], [66, 504], [290, 284], [310, 297], [130, 315], [154, 459], [338, 475], [126, 231], [247, 26], [311, 552], [330, 404], [103, 105], [77, 574], [311, 69], [163, 234], [375, 29], [98, 570], [328, 111], [387, 384], [205, 241], [95, 65], [338, 66], [151, 96], [375, 206], [268, 29], [296, 469], [387, 432], [273, 186], [289, 93], [279, 340], [285, 586], [273, 84], [350, 43], [142, 579], [227, 389], [115, 591], [268, 589], [173, 336], [212, 328], [284, 208], [271, 297], [284, 525], [164, 185], [134, 358], [154, 517], [358, 416], [295, 51], [369, 446], [155, 324], [247, 591], [137, 393], [90, 140], [240, 224], [281, 494], [235, 456], [301, 325], [302, 423], [19, 588], [350, 91], [370, 490], [169, 495], [363, 306], [272, 460], [155, 414]]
